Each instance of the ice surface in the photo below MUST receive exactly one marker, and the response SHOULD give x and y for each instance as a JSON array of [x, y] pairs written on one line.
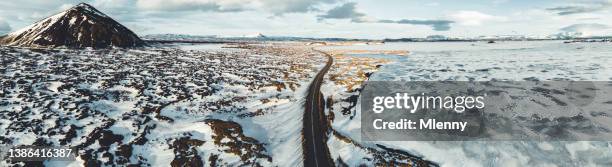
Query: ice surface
[[478, 61]]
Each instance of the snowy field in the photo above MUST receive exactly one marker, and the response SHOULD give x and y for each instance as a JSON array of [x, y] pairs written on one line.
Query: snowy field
[[341, 89], [478, 61], [158, 106]]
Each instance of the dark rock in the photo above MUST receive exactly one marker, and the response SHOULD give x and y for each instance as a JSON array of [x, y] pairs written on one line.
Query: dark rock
[[78, 27]]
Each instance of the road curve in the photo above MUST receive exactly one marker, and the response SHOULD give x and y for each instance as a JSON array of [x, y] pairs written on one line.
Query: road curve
[[316, 153]]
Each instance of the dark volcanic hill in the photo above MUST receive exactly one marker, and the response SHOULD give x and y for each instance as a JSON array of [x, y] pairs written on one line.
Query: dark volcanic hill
[[78, 27]]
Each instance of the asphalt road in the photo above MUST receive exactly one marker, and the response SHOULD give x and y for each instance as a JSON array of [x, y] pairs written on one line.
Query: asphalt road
[[316, 153]]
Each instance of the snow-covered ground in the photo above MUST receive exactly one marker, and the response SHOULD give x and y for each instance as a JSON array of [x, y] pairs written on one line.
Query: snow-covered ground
[[341, 89], [158, 106], [463, 61]]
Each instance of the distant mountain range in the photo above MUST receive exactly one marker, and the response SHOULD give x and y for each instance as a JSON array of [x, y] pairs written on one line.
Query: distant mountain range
[[432, 38], [78, 27], [248, 38]]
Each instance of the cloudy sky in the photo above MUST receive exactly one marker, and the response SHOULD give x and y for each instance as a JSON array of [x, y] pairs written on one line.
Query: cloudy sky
[[373, 19]]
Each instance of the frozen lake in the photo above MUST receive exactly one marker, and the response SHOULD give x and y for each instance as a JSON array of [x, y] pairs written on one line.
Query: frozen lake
[[511, 61], [516, 61]]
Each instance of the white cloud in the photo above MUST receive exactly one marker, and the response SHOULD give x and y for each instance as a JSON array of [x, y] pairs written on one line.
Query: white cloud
[[430, 4], [497, 2], [474, 18], [189, 5], [586, 28], [273, 6]]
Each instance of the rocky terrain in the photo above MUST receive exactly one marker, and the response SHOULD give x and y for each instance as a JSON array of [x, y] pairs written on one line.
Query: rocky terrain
[[157, 107], [77, 27]]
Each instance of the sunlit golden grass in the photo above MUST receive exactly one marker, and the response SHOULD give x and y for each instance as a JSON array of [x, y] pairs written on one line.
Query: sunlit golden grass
[[386, 52], [351, 72]]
